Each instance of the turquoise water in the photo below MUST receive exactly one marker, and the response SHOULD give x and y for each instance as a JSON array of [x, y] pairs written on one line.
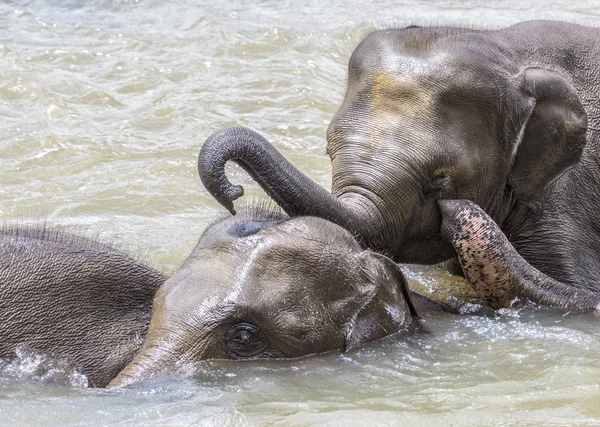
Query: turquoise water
[[104, 107]]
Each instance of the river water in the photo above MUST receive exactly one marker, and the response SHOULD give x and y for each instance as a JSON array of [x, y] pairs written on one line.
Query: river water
[[104, 106]]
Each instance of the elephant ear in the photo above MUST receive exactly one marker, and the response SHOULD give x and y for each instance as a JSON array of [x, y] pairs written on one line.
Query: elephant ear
[[388, 310], [553, 137]]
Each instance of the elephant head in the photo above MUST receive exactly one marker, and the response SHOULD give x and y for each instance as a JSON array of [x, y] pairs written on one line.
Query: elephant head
[[265, 286], [429, 114]]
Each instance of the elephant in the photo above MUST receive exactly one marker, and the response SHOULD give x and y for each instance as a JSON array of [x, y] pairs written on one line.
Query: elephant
[[259, 285], [73, 299], [498, 274], [506, 118], [262, 285]]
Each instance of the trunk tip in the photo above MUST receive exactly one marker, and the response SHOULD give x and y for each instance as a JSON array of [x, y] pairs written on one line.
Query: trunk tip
[[234, 192], [452, 218]]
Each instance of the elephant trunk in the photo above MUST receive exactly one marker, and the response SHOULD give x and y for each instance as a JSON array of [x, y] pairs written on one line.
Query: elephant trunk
[[297, 194], [143, 366], [158, 354], [496, 271]]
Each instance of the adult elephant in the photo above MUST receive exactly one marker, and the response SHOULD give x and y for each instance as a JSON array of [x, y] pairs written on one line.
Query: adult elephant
[[496, 117]]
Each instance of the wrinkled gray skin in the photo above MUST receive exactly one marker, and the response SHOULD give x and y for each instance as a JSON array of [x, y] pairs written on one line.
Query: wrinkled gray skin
[[73, 299], [263, 286], [498, 274], [508, 119]]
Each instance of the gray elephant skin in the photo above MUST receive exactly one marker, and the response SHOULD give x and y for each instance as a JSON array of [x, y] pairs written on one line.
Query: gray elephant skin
[[257, 286], [261, 286], [496, 271], [506, 118], [74, 299]]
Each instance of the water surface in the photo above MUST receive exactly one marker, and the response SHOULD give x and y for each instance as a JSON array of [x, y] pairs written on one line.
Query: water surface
[[104, 106]]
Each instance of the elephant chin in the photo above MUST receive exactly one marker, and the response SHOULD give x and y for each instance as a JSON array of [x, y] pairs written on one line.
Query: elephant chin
[[427, 251]]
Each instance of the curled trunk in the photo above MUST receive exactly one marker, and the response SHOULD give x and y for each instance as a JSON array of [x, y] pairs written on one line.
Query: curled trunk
[[496, 271], [292, 190]]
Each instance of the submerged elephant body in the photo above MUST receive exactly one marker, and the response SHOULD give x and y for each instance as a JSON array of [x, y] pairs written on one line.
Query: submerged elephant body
[[74, 299], [505, 118], [265, 286], [260, 285]]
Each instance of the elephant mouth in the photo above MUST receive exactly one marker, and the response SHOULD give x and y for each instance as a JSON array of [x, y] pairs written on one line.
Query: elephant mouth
[[421, 241], [430, 250]]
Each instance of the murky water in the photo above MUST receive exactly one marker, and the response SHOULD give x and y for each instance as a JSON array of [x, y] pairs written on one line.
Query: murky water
[[104, 106]]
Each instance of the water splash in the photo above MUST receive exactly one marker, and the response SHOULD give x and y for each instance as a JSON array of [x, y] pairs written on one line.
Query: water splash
[[29, 365]]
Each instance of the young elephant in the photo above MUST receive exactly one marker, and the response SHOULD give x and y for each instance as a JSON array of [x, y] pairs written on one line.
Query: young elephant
[[499, 275], [74, 299], [266, 286]]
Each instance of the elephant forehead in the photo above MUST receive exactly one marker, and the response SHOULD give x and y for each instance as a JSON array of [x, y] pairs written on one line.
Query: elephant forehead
[[283, 265], [403, 63], [270, 289], [407, 85], [399, 95], [312, 233], [305, 267]]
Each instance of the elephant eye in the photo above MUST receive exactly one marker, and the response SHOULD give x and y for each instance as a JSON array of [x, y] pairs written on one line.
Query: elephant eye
[[244, 340], [436, 185], [439, 181]]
